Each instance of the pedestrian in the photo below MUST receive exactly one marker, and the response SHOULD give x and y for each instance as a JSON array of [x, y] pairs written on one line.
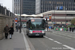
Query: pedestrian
[[17, 28], [46, 18], [70, 29], [20, 26], [47, 27], [11, 31], [6, 30]]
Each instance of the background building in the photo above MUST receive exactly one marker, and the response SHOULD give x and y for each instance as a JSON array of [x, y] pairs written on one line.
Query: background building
[[16, 6], [47, 5], [40, 6], [59, 16], [27, 6]]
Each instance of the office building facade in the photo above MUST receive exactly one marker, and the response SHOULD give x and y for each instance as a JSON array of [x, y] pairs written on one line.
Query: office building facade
[[47, 5], [27, 6], [16, 6]]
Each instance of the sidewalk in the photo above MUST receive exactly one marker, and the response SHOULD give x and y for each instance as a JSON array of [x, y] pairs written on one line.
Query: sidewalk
[[16, 43]]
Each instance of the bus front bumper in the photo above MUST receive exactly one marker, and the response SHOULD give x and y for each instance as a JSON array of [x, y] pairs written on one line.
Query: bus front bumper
[[36, 34]]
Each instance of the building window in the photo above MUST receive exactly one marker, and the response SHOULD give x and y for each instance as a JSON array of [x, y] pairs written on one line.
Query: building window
[[50, 2], [59, 2], [74, 0]]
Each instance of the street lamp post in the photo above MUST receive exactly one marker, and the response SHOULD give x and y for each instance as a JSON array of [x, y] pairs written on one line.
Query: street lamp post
[[54, 12], [54, 15], [65, 15], [20, 16]]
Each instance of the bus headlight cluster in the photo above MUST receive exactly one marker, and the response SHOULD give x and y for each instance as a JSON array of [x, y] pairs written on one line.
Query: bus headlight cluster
[[30, 31], [43, 31]]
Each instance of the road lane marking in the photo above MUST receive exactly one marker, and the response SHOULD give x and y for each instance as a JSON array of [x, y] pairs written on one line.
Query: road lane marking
[[57, 42], [69, 47], [48, 38], [26, 43], [45, 36], [52, 40]]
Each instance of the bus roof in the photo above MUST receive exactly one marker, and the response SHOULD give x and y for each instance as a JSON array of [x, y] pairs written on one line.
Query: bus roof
[[36, 19]]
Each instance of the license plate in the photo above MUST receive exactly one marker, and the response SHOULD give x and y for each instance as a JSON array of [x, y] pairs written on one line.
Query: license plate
[[37, 34]]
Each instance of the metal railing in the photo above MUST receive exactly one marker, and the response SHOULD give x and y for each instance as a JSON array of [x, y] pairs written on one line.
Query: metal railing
[[6, 12]]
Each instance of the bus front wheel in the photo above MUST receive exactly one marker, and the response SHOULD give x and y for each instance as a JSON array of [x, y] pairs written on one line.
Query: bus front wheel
[[42, 36]]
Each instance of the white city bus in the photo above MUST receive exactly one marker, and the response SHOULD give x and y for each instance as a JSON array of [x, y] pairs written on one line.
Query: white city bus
[[36, 27]]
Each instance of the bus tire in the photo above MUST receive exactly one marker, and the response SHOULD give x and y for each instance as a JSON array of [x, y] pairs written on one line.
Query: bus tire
[[27, 34], [42, 36]]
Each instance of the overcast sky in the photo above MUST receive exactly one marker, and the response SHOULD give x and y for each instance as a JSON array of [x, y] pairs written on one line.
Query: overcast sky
[[7, 4]]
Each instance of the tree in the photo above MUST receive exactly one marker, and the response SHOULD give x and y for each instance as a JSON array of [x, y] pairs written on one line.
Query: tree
[[73, 21]]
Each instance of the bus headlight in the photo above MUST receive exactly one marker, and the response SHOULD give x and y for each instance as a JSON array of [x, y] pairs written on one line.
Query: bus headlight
[[43, 31], [30, 31]]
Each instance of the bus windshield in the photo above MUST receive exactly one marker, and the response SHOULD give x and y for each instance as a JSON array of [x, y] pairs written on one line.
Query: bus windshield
[[37, 25]]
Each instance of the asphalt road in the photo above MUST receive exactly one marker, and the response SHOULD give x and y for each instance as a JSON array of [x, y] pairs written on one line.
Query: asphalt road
[[52, 41]]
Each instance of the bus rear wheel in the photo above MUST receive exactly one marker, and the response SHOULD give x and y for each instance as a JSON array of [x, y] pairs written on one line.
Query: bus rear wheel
[[42, 36]]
